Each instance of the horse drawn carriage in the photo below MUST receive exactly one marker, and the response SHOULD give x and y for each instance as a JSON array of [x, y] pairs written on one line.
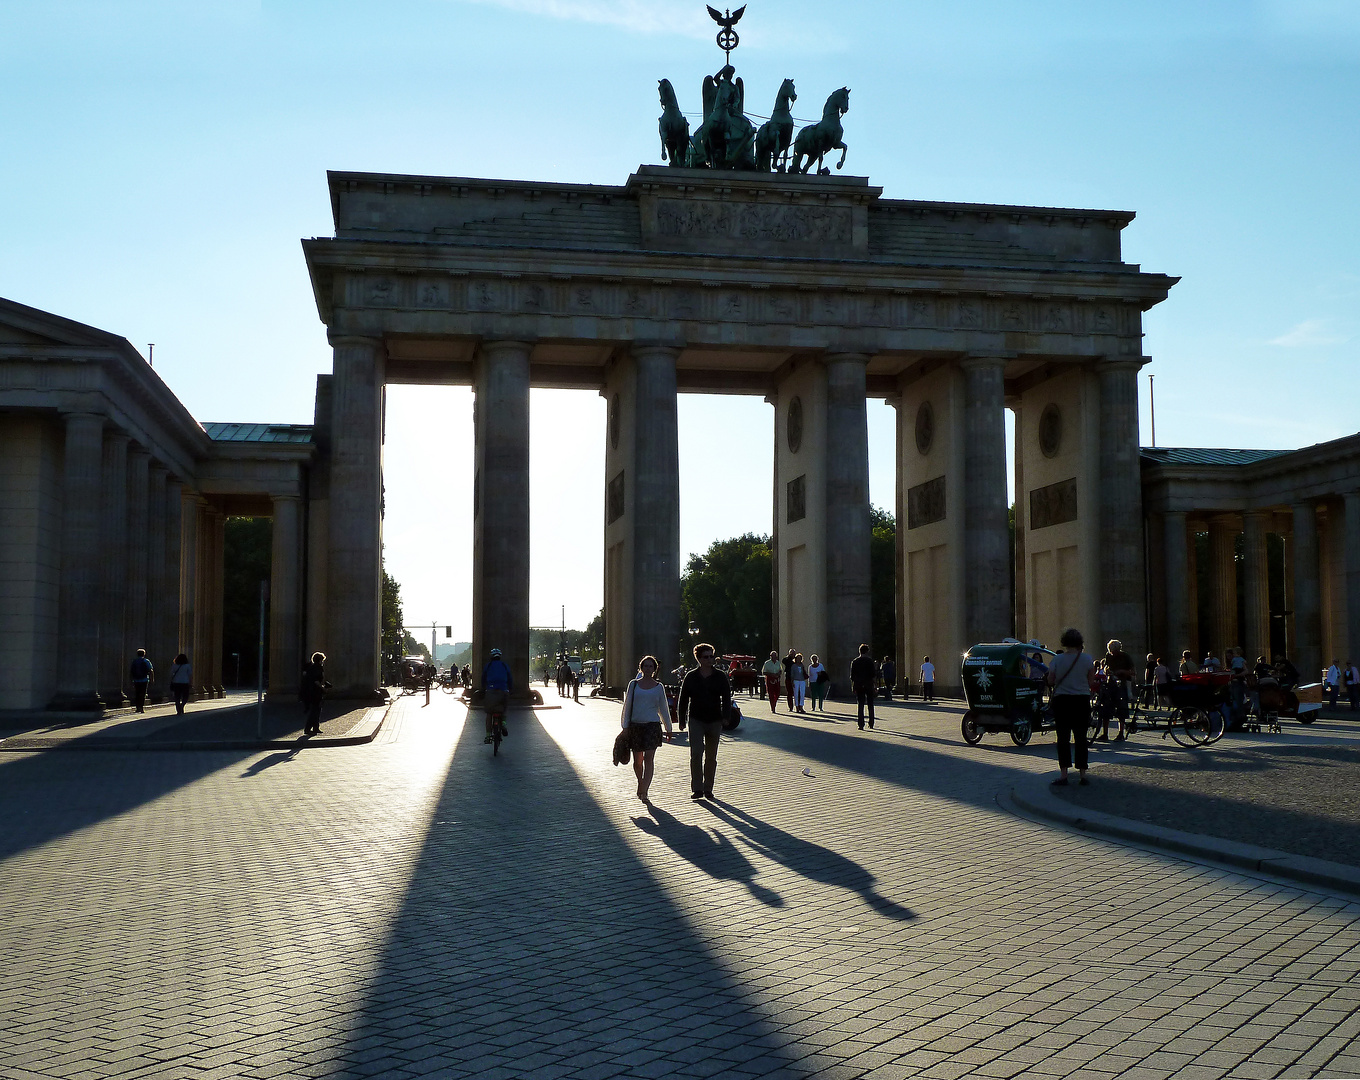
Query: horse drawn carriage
[[743, 674]]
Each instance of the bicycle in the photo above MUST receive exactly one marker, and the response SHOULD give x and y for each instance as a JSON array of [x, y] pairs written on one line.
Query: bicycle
[[496, 714]]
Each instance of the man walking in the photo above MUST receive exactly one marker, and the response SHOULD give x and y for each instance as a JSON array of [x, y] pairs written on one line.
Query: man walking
[[889, 677], [864, 679], [705, 695], [772, 670], [788, 676], [927, 680], [141, 679]]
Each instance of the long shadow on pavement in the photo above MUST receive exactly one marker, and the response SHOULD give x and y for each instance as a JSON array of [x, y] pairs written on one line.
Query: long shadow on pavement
[[49, 794], [532, 941]]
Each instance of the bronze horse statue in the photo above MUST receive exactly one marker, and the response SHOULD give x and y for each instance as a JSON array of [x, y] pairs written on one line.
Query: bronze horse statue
[[816, 139], [673, 126], [775, 135]]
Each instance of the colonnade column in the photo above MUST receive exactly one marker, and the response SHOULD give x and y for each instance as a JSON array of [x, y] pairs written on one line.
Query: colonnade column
[[986, 544], [500, 509], [216, 529], [158, 605], [170, 588], [113, 568], [354, 561], [1307, 592], [285, 659], [1222, 584], [1352, 570], [1178, 585], [656, 505], [79, 603], [139, 468], [189, 549], [1123, 606], [849, 613], [1256, 585]]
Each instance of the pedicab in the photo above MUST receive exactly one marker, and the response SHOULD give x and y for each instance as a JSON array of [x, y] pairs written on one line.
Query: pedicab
[[1004, 691]]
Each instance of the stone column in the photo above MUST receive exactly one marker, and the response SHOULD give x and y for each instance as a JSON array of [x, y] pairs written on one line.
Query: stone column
[[1021, 607], [113, 568], [139, 465], [285, 652], [1222, 584], [79, 606], [1255, 585], [159, 607], [500, 506], [171, 587], [354, 561], [986, 575], [1123, 605], [1179, 588], [1307, 593], [190, 547], [215, 528], [1192, 588], [649, 467], [848, 611], [1351, 555]]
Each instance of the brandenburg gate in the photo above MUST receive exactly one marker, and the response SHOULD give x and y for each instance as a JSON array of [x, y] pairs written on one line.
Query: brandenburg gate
[[810, 291]]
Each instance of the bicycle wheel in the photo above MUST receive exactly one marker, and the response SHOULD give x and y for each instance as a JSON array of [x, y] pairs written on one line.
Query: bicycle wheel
[[1216, 726], [496, 736], [1197, 728]]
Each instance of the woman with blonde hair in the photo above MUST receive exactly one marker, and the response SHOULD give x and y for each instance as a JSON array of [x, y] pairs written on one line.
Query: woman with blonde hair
[[645, 711]]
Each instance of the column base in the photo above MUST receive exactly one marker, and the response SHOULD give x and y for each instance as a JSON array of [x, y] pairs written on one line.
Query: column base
[[114, 699], [81, 701]]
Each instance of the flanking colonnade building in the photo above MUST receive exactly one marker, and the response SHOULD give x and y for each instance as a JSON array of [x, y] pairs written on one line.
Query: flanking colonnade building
[[813, 293]]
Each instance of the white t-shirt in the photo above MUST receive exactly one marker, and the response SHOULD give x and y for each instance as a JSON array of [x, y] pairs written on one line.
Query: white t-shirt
[[1333, 676], [927, 672], [1069, 674], [645, 706]]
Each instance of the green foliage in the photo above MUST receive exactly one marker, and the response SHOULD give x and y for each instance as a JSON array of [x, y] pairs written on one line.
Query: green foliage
[[726, 593], [882, 583], [392, 619], [246, 559]]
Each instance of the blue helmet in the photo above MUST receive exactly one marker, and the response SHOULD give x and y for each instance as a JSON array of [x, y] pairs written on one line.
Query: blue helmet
[[495, 654]]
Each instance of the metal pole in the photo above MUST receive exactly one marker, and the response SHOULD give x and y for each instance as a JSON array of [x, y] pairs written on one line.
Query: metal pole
[[259, 671], [1152, 398]]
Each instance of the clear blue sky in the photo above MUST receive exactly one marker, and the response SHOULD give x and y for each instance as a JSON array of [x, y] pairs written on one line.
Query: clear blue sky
[[162, 159]]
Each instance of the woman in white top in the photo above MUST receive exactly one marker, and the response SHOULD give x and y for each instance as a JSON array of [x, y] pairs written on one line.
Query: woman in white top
[[645, 712], [817, 685], [181, 679]]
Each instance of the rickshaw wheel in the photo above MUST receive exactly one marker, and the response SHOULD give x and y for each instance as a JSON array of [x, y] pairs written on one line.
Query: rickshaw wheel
[[972, 730], [1308, 717], [1021, 731]]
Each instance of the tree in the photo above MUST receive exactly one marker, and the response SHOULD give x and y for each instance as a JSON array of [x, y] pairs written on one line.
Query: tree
[[392, 619], [882, 583], [725, 593]]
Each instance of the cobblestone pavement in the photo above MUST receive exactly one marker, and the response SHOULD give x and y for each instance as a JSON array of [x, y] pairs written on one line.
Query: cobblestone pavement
[[855, 904]]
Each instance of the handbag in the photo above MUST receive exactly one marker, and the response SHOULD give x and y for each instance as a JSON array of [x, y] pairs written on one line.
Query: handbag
[[622, 751]]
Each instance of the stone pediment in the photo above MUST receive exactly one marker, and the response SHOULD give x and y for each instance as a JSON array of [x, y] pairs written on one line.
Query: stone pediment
[[23, 325]]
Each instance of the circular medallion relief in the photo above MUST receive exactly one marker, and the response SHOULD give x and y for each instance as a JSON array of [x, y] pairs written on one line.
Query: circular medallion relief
[[794, 424], [1050, 430], [614, 422], [925, 427]]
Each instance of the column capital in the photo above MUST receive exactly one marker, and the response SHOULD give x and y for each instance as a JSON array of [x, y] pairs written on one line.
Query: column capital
[[286, 497], [845, 358], [338, 341], [495, 345], [77, 415], [641, 345], [975, 361]]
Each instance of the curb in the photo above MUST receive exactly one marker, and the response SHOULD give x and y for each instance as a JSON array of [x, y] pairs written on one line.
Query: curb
[[365, 731], [1038, 800]]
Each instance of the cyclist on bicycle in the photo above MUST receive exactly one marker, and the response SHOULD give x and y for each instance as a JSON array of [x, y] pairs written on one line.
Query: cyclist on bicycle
[[496, 687]]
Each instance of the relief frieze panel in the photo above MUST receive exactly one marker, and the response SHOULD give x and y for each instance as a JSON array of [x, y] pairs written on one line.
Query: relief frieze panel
[[707, 220]]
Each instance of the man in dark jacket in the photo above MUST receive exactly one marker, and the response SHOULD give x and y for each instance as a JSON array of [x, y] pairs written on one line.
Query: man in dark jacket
[[889, 677], [705, 695], [140, 672], [864, 678]]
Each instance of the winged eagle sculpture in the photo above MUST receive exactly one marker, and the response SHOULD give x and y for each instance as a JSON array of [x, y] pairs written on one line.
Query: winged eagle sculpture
[[727, 37]]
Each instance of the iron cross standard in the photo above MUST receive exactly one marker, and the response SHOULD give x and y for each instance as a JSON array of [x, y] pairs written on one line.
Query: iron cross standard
[[727, 37]]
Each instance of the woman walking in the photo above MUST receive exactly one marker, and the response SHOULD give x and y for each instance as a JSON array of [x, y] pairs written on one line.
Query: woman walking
[[181, 679], [1073, 679], [818, 681], [645, 712], [799, 674], [314, 687]]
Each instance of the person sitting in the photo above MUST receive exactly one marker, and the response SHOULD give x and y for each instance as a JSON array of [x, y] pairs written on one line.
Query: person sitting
[[1188, 665]]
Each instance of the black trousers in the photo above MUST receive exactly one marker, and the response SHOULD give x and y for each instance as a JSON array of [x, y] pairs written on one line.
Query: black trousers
[[865, 692], [1072, 713], [181, 692], [314, 715], [139, 695]]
